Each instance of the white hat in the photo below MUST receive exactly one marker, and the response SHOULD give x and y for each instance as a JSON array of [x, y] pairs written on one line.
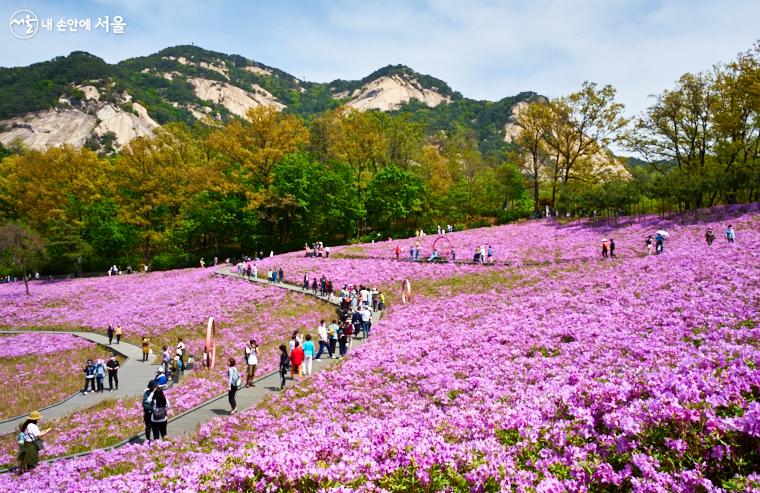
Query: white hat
[[160, 369]]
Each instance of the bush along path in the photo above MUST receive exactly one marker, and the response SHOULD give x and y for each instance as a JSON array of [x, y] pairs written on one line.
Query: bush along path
[[186, 423], [133, 375]]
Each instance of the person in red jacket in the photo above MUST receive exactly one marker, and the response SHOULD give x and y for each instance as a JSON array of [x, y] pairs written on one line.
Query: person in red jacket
[[296, 358], [398, 252]]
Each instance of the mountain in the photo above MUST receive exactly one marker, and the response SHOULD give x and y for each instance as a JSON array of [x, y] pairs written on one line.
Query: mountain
[[82, 100]]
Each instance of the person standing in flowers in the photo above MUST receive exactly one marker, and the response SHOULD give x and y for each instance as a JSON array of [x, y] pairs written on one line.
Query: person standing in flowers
[[605, 248], [612, 248], [235, 381], [649, 244], [709, 236], [730, 234], [284, 364], [659, 243], [202, 263], [30, 442], [251, 360]]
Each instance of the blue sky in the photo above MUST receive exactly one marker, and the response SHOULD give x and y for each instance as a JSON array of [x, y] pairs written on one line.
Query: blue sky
[[485, 49]]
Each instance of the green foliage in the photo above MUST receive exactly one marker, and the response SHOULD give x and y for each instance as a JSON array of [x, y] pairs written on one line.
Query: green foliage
[[38, 86]]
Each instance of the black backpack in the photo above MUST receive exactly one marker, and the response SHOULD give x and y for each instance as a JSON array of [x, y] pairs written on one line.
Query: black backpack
[[147, 406]]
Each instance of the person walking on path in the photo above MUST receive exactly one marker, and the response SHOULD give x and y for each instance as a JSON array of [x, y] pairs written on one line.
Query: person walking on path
[[343, 338], [366, 316], [709, 236], [296, 358], [109, 333], [730, 234], [332, 332], [284, 364], [117, 332], [159, 413], [113, 373], [30, 440], [145, 347], [605, 247], [308, 355], [148, 408], [251, 361], [280, 276], [236, 382], [612, 248], [89, 377], [323, 341], [305, 282], [100, 374]]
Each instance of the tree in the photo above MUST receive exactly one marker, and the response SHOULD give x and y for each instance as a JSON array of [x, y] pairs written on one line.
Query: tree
[[258, 143], [581, 125], [356, 138], [21, 248], [395, 197], [533, 157]]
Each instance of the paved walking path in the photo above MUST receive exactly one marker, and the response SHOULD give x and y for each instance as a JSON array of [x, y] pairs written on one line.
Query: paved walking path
[[139, 373], [133, 375], [187, 423]]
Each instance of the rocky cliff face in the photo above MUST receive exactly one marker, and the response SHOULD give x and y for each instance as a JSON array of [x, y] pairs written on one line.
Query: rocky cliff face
[[388, 93], [236, 100], [77, 121]]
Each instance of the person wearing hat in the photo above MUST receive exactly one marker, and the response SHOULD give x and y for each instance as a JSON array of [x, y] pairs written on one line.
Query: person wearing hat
[[30, 441], [113, 373], [161, 378]]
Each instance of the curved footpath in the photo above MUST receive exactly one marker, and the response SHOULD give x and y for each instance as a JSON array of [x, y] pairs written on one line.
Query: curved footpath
[[186, 423], [133, 375]]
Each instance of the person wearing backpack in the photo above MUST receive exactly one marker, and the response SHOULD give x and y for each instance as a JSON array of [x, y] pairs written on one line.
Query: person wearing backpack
[[236, 382], [147, 406], [100, 374], [159, 412]]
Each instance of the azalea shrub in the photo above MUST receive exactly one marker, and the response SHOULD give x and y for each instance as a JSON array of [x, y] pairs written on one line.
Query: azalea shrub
[[244, 311], [634, 374], [37, 370]]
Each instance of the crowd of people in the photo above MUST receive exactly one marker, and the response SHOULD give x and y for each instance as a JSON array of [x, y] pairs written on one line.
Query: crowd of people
[[317, 249]]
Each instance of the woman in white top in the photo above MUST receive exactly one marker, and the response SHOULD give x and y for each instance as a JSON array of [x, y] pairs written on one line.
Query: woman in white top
[[31, 433]]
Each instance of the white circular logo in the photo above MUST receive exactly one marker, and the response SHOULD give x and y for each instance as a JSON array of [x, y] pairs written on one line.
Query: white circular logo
[[24, 24]]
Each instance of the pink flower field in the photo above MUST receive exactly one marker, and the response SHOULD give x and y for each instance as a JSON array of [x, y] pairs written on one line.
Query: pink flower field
[[161, 305], [635, 374], [37, 370]]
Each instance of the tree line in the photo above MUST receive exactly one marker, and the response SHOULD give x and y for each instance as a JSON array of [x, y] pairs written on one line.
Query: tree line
[[276, 180]]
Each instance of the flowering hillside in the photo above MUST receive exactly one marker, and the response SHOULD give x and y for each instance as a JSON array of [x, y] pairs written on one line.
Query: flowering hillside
[[635, 374]]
